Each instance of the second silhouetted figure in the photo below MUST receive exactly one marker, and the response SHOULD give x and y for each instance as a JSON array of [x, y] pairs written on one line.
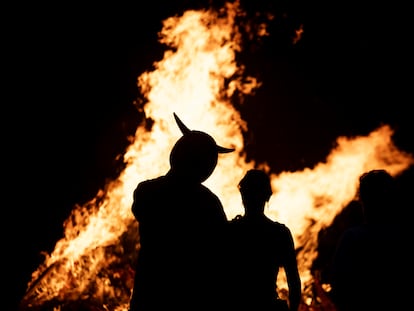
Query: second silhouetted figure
[[259, 247]]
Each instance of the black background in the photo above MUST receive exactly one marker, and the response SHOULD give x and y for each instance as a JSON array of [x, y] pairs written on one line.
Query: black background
[[69, 84]]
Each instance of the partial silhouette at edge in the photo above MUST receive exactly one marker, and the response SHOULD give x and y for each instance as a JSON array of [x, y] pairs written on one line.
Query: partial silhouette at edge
[[369, 269]]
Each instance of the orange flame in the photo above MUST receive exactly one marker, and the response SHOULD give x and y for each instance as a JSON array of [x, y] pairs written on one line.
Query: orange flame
[[93, 262]]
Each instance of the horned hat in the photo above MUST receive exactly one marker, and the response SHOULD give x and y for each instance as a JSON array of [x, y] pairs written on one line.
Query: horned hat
[[195, 154]]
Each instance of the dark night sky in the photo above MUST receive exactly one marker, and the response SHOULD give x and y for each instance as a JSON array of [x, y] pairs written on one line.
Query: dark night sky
[[71, 81]]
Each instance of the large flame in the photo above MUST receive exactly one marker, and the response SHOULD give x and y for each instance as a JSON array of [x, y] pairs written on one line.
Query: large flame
[[196, 78]]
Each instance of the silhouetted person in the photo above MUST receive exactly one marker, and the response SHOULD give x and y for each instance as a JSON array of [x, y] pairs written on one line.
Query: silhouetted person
[[259, 248], [328, 237], [181, 224], [369, 266]]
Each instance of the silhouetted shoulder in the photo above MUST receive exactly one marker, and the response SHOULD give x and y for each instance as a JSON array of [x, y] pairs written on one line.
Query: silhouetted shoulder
[[264, 224], [146, 190]]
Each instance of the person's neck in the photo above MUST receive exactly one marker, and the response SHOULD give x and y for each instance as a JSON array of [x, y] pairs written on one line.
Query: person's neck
[[254, 216]]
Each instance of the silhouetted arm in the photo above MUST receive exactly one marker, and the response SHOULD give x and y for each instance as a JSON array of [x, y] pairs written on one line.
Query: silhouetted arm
[[292, 274]]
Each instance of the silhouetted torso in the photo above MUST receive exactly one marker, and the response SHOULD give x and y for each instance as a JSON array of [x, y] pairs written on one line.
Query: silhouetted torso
[[260, 248], [368, 270], [180, 227]]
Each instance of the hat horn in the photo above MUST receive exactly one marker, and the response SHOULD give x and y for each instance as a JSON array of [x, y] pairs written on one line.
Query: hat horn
[[185, 130], [224, 150]]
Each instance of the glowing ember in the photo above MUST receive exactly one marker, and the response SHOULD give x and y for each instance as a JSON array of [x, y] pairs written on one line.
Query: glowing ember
[[93, 263]]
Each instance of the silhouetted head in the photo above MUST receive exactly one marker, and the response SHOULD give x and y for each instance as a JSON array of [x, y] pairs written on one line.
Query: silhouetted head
[[376, 192], [255, 189], [194, 156]]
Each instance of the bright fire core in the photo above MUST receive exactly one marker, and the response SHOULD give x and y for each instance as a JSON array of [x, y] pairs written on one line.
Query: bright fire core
[[93, 263]]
